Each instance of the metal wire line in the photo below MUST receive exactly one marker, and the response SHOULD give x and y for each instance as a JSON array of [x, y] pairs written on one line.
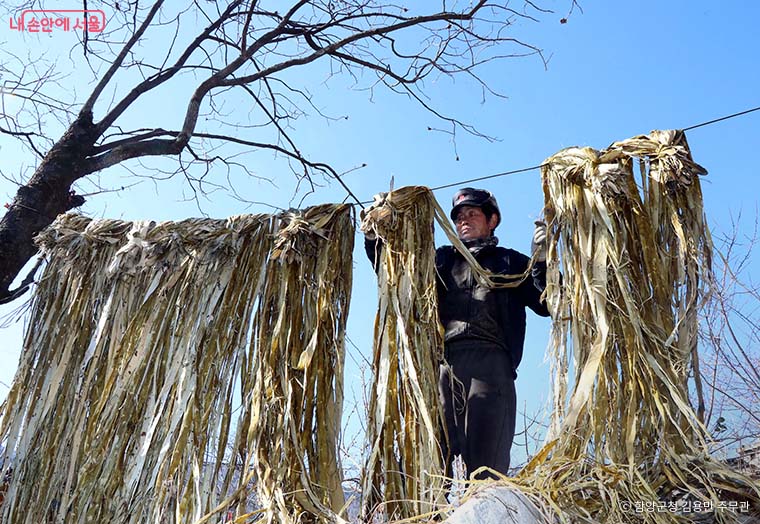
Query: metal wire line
[[526, 169]]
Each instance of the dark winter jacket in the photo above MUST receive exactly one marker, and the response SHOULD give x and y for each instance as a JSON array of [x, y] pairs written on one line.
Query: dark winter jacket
[[475, 315]]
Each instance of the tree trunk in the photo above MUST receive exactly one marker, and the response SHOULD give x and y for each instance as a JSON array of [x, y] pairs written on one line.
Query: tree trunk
[[41, 200]]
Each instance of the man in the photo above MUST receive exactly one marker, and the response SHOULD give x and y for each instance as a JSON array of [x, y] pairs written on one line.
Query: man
[[484, 333]]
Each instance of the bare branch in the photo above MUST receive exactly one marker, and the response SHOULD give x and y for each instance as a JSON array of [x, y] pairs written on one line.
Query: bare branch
[[163, 75], [117, 63], [24, 285]]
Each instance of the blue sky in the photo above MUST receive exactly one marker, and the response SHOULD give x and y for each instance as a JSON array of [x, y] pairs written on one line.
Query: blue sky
[[615, 70]]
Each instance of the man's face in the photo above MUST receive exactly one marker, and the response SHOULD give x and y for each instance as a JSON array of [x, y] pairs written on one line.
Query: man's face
[[471, 223]]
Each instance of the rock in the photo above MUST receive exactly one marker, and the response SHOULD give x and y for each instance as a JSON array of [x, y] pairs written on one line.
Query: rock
[[498, 505]]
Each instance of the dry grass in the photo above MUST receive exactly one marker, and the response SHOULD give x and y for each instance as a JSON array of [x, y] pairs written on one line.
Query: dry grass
[[403, 472], [635, 264], [168, 368]]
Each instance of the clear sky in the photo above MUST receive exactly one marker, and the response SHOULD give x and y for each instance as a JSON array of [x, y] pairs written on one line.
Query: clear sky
[[615, 70]]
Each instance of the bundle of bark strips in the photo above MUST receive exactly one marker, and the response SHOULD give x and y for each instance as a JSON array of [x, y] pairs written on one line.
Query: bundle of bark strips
[[627, 443], [403, 473], [171, 370]]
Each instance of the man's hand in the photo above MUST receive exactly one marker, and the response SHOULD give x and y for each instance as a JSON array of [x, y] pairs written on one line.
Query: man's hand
[[378, 201], [538, 245]]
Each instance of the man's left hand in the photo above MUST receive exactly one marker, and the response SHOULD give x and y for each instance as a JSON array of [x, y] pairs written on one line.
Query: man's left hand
[[538, 245], [377, 201]]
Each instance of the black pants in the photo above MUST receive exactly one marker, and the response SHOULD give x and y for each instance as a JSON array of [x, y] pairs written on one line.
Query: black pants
[[477, 389]]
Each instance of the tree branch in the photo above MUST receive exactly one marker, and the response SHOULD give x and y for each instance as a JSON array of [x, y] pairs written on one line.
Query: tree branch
[[90, 103], [13, 294], [126, 151], [162, 76]]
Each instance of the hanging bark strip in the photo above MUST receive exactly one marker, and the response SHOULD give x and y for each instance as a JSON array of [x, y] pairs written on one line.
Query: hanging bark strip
[[403, 476], [635, 263], [134, 397], [297, 399]]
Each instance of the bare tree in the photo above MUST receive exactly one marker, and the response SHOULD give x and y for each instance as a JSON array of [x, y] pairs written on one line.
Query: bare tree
[[730, 336], [247, 48]]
